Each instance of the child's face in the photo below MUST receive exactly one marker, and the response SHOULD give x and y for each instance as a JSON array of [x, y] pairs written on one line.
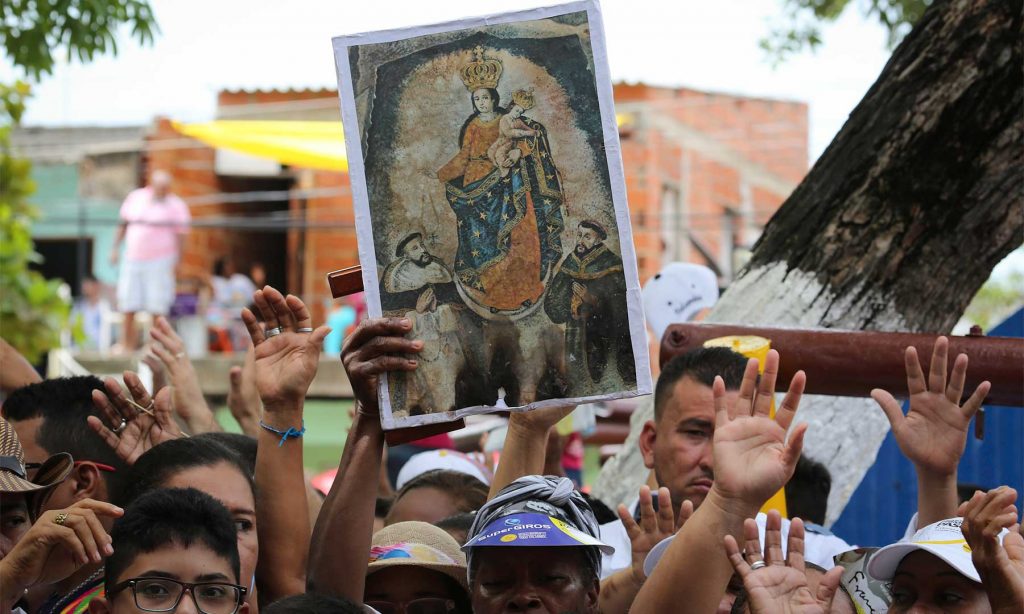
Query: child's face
[[197, 563], [515, 111]]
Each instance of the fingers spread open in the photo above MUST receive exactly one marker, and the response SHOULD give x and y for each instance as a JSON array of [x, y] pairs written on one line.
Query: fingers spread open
[[937, 370], [973, 404], [915, 376], [139, 393], [685, 511], [745, 401], [791, 402], [253, 326], [283, 313], [795, 545], [110, 414], [892, 408], [732, 549], [751, 541], [955, 389], [666, 523], [773, 539], [632, 528], [648, 519], [828, 586], [718, 394], [106, 434], [794, 446], [766, 388], [259, 298], [299, 311]]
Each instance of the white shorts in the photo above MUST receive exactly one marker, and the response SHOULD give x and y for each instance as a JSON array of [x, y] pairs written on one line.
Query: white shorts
[[146, 285]]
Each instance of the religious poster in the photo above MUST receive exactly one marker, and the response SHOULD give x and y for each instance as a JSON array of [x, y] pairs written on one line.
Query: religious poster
[[491, 211]]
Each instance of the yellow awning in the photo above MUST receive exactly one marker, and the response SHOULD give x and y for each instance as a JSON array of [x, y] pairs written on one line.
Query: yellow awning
[[308, 144]]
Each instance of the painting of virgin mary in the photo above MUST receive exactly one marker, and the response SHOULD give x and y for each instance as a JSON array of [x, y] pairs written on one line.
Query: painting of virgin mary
[[509, 222], [476, 150]]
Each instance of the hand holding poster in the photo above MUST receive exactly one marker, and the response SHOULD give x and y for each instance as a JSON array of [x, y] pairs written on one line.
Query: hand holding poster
[[491, 211]]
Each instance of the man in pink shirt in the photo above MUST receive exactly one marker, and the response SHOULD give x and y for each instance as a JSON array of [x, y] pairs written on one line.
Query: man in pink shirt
[[154, 223]]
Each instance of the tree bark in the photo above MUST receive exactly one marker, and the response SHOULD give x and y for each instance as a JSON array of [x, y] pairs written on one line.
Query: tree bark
[[903, 217]]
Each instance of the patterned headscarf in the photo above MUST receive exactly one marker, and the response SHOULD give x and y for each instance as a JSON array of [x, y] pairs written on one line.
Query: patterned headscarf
[[554, 496]]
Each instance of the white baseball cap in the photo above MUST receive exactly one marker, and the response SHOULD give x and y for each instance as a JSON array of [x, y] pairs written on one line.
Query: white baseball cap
[[450, 460], [942, 539]]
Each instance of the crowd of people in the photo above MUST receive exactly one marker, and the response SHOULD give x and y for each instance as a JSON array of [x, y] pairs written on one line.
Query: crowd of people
[[127, 499]]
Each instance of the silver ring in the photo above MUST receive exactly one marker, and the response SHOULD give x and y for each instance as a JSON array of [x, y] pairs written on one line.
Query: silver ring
[[304, 329], [757, 565], [121, 427], [180, 355], [273, 332]]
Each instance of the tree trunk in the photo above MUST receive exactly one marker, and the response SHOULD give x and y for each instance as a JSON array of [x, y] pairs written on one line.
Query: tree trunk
[[903, 217]]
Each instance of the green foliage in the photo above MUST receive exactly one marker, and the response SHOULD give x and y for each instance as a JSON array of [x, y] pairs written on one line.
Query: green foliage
[[33, 30], [996, 301], [32, 311], [801, 24]]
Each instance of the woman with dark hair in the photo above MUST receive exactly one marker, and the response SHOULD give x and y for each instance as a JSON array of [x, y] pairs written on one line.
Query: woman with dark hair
[[509, 218], [213, 467]]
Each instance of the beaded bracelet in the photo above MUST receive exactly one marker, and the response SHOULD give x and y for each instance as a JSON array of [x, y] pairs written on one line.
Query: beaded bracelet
[[291, 433]]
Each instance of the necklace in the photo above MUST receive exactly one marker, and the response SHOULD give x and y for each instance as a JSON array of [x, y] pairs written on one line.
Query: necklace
[[73, 594]]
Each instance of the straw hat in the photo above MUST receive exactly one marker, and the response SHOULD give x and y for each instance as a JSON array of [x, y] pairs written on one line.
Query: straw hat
[[13, 477], [421, 545]]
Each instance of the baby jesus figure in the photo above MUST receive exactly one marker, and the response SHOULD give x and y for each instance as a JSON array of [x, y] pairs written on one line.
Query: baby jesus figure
[[511, 128]]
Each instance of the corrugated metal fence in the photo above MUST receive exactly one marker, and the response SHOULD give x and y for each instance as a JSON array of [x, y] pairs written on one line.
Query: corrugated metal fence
[[879, 510]]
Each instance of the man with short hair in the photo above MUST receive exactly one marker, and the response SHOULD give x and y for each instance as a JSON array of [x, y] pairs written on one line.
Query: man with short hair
[[173, 546], [154, 223], [50, 417], [588, 294]]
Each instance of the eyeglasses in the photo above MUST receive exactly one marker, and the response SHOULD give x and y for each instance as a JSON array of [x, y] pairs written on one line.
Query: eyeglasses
[[424, 605], [164, 594]]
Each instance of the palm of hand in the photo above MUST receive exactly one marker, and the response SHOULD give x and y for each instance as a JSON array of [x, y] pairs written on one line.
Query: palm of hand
[[285, 366], [750, 457], [781, 589], [933, 432]]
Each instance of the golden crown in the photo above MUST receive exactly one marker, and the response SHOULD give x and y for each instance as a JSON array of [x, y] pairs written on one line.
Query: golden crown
[[480, 72], [523, 98]]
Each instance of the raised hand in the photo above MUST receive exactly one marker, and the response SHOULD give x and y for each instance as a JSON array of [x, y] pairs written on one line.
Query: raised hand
[[133, 426], [653, 527], [243, 396], [779, 586], [753, 459], [187, 395], [375, 347], [288, 352], [934, 432], [1001, 566], [57, 545]]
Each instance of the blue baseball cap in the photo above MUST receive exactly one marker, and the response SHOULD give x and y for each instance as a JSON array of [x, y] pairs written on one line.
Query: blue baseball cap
[[533, 529]]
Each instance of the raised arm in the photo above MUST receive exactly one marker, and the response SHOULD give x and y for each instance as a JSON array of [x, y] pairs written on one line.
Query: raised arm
[[525, 445], [285, 366], [620, 589], [341, 538], [187, 395], [752, 460], [1000, 566], [934, 432]]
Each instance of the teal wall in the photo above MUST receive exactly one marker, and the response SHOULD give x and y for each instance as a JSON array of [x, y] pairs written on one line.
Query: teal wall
[[59, 207]]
